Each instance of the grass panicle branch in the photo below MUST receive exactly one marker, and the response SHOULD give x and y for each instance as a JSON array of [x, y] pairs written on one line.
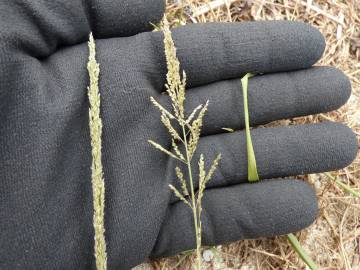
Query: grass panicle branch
[[182, 181], [189, 135], [163, 149], [97, 176]]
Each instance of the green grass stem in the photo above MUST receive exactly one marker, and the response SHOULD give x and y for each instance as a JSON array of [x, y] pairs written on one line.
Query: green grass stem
[[343, 186], [253, 174], [301, 252], [252, 169]]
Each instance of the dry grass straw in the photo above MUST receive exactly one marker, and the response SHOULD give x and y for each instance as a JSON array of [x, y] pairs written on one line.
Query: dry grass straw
[[333, 240]]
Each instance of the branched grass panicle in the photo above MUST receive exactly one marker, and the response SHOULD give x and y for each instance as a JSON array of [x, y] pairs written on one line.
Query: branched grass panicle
[[186, 132]]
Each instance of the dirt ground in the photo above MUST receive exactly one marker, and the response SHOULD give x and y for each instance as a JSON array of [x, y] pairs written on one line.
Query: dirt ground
[[333, 241]]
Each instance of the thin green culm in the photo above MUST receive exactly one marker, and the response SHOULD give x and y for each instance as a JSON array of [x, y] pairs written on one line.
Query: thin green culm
[[252, 169], [253, 174], [343, 186]]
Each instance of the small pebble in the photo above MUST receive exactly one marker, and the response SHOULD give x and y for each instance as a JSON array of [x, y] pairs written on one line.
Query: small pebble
[[208, 255]]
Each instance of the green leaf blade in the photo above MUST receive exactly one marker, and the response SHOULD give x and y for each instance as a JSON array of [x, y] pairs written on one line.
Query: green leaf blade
[[301, 252], [343, 186], [253, 175]]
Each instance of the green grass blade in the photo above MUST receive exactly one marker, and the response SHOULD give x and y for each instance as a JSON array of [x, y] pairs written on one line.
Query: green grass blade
[[252, 169], [343, 186], [301, 252]]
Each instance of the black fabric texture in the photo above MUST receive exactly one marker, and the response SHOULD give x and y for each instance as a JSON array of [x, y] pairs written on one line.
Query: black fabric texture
[[279, 151], [45, 154], [272, 97], [245, 211]]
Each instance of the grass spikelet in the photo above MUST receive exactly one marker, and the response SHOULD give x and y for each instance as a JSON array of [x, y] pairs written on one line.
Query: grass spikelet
[[162, 149], [179, 195], [176, 149], [161, 108], [166, 122], [189, 137], [182, 181], [98, 185], [175, 86], [228, 129], [213, 167], [202, 175], [195, 130], [192, 115]]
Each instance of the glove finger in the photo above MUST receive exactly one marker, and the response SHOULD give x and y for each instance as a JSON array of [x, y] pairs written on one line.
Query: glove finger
[[217, 51], [39, 28], [279, 151], [126, 17], [271, 97], [262, 209]]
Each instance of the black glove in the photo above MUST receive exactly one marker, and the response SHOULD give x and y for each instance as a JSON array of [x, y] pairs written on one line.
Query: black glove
[[45, 155]]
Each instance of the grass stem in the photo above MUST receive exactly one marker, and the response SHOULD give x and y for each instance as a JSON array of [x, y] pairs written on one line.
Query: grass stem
[[343, 186], [301, 252], [253, 174], [193, 202], [252, 169]]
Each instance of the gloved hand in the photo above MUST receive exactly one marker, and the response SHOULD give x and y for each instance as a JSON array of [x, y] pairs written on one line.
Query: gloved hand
[[45, 155]]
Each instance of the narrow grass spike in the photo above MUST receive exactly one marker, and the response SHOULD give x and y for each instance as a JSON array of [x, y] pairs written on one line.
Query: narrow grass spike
[[161, 108], [162, 149], [176, 149], [192, 115], [213, 167], [179, 195], [166, 122], [97, 179], [182, 181]]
